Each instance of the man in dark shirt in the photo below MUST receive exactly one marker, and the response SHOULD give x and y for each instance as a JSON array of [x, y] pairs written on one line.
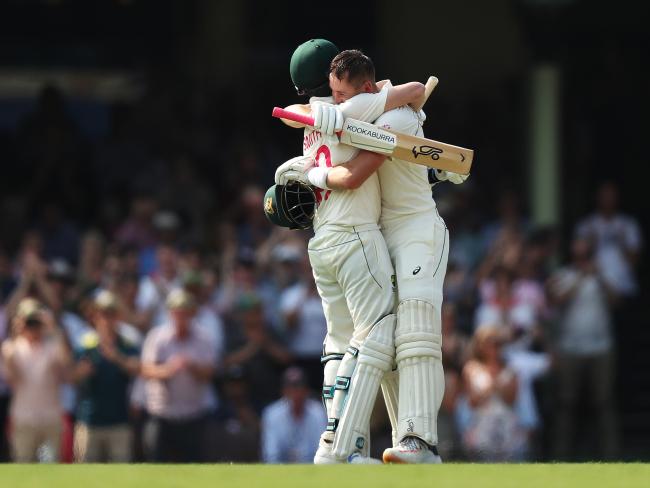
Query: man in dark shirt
[[107, 359]]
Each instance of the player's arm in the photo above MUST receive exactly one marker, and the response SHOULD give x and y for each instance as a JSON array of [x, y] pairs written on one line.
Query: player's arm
[[366, 107], [405, 94], [351, 175]]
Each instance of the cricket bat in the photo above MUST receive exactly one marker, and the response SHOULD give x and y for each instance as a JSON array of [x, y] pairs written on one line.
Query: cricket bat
[[418, 150], [429, 86]]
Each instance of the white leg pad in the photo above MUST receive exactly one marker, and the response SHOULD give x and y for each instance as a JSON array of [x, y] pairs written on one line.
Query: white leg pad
[[375, 358], [331, 363], [421, 377], [342, 382]]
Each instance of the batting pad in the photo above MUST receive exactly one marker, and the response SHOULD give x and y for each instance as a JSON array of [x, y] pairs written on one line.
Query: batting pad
[[375, 358], [421, 377], [331, 365], [342, 381], [390, 390]]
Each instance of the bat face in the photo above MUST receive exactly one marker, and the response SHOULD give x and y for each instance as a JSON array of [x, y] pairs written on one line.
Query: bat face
[[418, 150], [367, 136]]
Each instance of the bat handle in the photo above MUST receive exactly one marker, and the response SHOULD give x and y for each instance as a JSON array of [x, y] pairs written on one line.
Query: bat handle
[[281, 113]]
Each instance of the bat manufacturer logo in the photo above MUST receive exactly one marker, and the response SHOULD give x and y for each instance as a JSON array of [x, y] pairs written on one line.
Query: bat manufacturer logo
[[432, 151], [268, 206]]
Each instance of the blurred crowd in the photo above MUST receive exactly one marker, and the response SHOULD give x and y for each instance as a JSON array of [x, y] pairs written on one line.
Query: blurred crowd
[[149, 312]]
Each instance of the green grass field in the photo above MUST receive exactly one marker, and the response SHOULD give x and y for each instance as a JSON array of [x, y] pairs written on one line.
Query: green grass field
[[199, 476]]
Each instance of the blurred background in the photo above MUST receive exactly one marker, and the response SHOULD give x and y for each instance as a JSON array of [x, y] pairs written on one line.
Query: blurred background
[[136, 144]]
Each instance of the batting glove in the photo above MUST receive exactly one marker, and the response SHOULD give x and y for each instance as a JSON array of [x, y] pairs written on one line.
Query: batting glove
[[294, 170], [328, 119], [455, 178]]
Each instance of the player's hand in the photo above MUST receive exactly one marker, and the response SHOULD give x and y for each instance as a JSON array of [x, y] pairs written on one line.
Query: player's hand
[[294, 170], [455, 178], [327, 118]]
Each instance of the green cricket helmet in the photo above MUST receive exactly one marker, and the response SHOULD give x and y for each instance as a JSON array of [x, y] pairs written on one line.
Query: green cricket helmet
[[292, 205], [310, 67]]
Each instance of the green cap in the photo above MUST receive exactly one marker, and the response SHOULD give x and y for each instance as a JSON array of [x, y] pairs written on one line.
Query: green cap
[[272, 208], [310, 66]]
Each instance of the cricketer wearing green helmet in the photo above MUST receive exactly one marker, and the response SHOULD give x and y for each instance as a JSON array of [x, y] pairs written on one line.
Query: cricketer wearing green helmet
[[293, 205], [310, 67]]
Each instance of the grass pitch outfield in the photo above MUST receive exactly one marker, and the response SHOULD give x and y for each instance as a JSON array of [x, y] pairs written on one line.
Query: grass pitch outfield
[[283, 476]]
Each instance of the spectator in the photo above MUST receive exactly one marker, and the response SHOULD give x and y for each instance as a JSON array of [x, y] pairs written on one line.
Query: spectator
[[305, 323], [291, 426], [60, 236], [90, 273], [617, 241], [585, 349], [491, 430], [154, 288], [36, 361], [138, 229], [503, 302], [252, 346], [243, 279], [5, 392], [166, 225], [106, 362], [206, 317], [126, 288], [237, 428], [178, 362], [454, 350]]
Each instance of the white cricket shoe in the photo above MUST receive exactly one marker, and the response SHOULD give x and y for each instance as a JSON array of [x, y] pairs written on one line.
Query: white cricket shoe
[[357, 458], [412, 450], [324, 452]]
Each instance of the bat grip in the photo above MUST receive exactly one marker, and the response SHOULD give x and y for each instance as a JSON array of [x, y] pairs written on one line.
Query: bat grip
[[281, 113]]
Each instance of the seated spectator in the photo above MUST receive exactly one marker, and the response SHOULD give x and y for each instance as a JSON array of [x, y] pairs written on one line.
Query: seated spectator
[[106, 362], [491, 430], [291, 426], [178, 363], [35, 361], [235, 437]]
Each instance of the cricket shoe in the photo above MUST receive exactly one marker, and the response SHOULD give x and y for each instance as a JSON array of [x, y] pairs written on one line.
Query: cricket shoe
[[357, 458], [324, 453], [412, 450]]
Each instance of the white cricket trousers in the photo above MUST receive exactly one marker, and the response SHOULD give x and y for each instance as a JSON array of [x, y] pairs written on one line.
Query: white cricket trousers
[[353, 275]]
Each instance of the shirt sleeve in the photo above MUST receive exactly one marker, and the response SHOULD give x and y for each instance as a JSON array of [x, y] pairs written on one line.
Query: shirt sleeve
[[150, 347], [365, 106]]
